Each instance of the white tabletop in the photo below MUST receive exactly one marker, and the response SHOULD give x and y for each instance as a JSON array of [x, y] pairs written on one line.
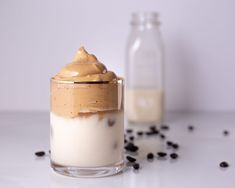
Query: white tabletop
[[201, 151]]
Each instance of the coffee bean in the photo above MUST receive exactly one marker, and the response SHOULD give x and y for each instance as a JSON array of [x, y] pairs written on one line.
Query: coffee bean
[[130, 159], [174, 155], [226, 132], [140, 133], [129, 130], [155, 132], [151, 133], [224, 164], [40, 153], [169, 143], [131, 147], [150, 156], [153, 127], [131, 138], [115, 145], [136, 166], [164, 127], [161, 154], [175, 146], [111, 122], [190, 127], [162, 136]]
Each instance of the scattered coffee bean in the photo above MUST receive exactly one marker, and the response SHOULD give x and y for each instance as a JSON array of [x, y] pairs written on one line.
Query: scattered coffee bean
[[164, 127], [131, 147], [111, 122], [40, 153], [150, 156], [132, 138], [224, 164], [162, 136], [151, 133], [115, 145], [136, 166], [130, 159], [155, 132], [169, 143], [174, 155], [125, 141], [153, 127], [175, 146], [161, 154], [148, 133], [190, 127], [140, 133], [226, 132], [129, 130]]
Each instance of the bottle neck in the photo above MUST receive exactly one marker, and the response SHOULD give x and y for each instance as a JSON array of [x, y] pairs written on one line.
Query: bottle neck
[[146, 26], [145, 21]]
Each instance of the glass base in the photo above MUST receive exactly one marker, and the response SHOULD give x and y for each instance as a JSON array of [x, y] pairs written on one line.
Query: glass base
[[88, 172]]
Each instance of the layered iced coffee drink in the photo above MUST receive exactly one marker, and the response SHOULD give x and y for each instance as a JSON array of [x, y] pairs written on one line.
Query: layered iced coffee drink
[[86, 119]]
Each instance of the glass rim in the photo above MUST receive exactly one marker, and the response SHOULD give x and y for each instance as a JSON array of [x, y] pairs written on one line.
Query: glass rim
[[119, 80]]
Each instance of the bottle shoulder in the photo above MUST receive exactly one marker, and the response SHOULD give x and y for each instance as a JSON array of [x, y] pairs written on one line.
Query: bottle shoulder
[[144, 39]]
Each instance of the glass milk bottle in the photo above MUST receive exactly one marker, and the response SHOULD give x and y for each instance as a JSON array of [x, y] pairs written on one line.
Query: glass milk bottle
[[144, 70]]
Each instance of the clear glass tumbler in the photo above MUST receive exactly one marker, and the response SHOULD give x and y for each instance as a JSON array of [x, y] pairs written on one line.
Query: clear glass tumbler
[[87, 128]]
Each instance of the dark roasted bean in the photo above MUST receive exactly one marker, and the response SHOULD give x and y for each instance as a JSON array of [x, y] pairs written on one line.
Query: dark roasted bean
[[162, 136], [140, 133], [190, 127], [111, 122], [131, 138], [161, 154], [40, 153], [224, 164], [174, 155], [175, 146], [169, 143], [164, 127], [153, 127], [115, 145], [150, 156], [130, 159], [151, 133], [129, 130], [131, 147], [226, 132], [136, 166], [155, 132]]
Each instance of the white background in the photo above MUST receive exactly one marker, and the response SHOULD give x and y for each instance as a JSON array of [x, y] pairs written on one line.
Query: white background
[[38, 37]]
